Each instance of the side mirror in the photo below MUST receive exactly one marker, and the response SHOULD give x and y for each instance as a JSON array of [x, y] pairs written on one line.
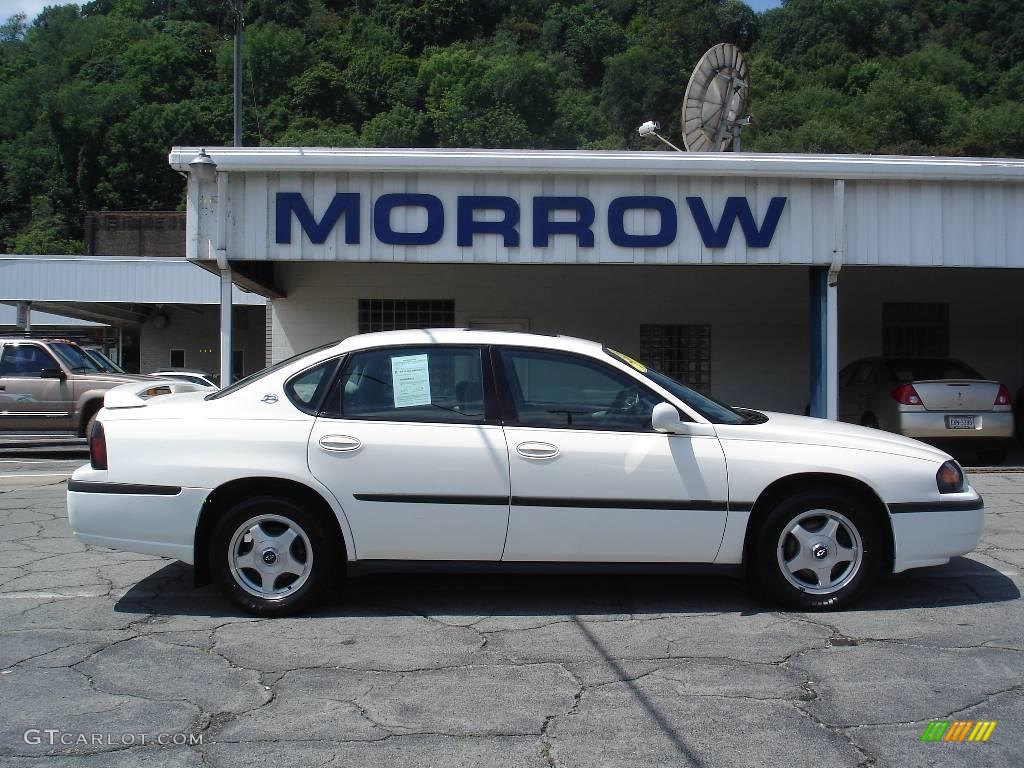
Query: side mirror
[[52, 373], [665, 418]]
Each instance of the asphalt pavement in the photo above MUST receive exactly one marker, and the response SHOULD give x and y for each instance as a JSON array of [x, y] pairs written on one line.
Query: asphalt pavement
[[113, 659]]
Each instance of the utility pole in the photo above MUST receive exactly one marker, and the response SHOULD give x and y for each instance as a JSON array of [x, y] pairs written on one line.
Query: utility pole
[[226, 281], [238, 72]]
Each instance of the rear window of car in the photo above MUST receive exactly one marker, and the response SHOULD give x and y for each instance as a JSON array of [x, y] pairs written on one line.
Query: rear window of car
[[266, 372], [924, 369]]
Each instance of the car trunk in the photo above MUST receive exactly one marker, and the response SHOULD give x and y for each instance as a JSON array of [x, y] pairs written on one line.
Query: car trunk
[[957, 394]]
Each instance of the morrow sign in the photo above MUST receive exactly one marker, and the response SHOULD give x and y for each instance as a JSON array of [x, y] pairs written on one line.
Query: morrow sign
[[571, 216]]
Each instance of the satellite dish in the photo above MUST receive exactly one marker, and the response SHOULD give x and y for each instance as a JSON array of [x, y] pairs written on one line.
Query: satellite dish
[[716, 101]]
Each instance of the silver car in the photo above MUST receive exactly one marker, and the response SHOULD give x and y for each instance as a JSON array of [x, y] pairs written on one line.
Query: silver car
[[937, 400]]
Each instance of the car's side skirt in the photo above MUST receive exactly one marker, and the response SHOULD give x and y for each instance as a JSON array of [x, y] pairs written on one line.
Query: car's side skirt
[[366, 567]]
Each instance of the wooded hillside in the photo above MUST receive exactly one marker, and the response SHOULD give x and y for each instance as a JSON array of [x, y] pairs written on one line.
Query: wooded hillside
[[94, 97]]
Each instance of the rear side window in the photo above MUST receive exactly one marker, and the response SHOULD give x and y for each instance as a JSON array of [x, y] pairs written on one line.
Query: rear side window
[[306, 389], [423, 384]]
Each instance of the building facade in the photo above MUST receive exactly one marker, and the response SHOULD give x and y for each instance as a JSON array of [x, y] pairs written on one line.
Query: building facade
[[753, 277]]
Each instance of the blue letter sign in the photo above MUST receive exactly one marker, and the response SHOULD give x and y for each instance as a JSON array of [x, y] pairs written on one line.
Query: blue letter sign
[[382, 219], [736, 208], [468, 226], [293, 202], [617, 230], [580, 227], [543, 227]]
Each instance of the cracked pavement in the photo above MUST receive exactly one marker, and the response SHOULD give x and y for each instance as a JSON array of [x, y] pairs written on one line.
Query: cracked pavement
[[501, 671]]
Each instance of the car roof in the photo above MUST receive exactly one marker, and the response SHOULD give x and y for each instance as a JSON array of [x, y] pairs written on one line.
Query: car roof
[[43, 339], [427, 336]]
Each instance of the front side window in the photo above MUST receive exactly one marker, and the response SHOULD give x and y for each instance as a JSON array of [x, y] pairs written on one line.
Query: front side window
[[426, 384], [560, 391], [25, 361], [707, 406]]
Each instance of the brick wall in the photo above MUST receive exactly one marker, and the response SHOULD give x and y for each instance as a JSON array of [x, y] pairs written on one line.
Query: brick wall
[[135, 233]]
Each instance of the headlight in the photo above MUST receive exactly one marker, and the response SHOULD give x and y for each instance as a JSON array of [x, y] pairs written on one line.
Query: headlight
[[950, 478]]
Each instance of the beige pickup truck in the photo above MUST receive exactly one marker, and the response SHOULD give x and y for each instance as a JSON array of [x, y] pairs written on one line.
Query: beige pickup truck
[[51, 384]]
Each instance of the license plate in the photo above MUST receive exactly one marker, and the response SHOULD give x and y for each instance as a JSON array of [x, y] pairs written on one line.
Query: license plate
[[959, 422]]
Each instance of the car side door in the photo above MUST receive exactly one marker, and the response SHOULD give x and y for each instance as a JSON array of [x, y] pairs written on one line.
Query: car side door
[[411, 445], [34, 391], [591, 479]]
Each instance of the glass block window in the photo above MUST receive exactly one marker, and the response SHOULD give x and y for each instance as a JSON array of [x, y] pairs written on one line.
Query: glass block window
[[915, 329], [402, 314], [681, 351]]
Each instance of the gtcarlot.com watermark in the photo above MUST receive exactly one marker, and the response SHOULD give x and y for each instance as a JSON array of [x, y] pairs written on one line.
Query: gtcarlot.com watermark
[[54, 737]]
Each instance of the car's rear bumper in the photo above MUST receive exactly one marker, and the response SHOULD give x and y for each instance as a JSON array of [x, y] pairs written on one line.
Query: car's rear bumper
[[152, 520], [930, 533], [931, 425]]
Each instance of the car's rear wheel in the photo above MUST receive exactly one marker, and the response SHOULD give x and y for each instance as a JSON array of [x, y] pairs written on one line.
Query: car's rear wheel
[[272, 556], [818, 550], [87, 428]]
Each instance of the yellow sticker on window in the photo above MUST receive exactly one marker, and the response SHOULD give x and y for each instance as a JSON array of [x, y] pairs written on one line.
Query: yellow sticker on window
[[629, 360]]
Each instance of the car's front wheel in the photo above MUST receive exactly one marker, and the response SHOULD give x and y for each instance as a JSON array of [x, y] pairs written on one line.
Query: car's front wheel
[[271, 556], [818, 550]]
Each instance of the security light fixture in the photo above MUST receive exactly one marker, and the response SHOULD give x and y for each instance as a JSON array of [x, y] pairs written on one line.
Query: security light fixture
[[202, 167], [651, 128]]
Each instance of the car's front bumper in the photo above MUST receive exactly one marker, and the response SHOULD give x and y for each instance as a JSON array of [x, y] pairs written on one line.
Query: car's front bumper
[[152, 520], [930, 533], [931, 425]]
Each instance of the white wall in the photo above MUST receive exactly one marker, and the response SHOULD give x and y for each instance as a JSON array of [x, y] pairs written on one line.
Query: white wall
[[197, 331], [758, 315]]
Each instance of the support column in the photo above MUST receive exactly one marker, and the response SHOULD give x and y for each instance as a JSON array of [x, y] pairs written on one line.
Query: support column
[[832, 344], [221, 255], [824, 319], [225, 327], [818, 300]]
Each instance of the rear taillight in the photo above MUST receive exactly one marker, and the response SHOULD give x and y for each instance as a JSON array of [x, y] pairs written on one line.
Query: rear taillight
[[905, 394], [1003, 398], [97, 447]]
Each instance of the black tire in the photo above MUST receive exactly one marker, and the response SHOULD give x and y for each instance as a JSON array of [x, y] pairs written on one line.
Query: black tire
[[771, 549], [319, 559], [87, 429]]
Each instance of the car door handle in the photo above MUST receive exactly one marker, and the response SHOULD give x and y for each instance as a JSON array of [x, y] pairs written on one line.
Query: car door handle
[[339, 443], [532, 450]]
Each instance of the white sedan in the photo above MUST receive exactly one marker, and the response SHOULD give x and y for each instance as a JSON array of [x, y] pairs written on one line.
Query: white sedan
[[455, 449]]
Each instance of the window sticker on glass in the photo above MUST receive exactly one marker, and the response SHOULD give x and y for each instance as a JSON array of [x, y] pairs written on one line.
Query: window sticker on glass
[[629, 360], [410, 379]]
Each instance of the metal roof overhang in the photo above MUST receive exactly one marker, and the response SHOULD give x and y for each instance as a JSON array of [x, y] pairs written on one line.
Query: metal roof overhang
[[112, 291], [749, 164]]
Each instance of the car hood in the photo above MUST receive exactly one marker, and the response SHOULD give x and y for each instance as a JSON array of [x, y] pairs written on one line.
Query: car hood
[[787, 428], [110, 379]]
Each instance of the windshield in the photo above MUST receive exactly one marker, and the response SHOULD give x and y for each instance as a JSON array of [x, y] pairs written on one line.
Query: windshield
[[266, 372], [711, 409], [103, 361], [74, 357]]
